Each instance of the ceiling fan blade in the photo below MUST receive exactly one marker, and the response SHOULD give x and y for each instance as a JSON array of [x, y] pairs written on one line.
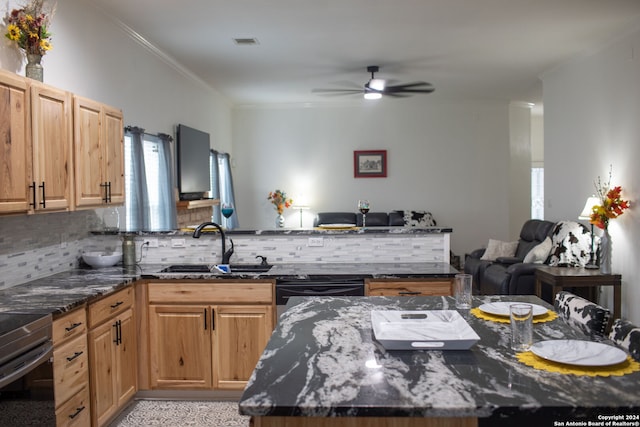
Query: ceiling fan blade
[[409, 85], [345, 91]]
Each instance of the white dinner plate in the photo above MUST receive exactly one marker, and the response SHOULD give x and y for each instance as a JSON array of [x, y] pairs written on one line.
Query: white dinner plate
[[579, 352], [501, 308]]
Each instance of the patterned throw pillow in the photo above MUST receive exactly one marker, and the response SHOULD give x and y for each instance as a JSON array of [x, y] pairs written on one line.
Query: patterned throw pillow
[[539, 253], [627, 335], [571, 245], [418, 219], [584, 314]]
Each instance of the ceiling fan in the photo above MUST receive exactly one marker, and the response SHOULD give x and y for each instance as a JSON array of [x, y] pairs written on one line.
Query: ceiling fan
[[376, 88]]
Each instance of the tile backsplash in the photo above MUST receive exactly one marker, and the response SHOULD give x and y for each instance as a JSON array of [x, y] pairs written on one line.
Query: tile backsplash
[[36, 246]]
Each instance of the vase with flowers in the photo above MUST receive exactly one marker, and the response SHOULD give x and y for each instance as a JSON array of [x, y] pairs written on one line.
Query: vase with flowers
[[611, 206], [28, 27], [280, 200]]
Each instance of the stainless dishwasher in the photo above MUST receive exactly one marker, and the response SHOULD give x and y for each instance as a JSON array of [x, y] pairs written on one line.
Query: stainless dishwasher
[[314, 286]]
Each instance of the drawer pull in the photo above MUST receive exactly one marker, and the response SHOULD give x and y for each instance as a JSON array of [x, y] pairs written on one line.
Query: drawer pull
[[116, 305], [410, 293], [75, 356], [75, 414], [72, 327]]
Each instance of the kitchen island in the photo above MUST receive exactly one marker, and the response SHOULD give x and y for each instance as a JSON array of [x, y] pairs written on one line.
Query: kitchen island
[[322, 367]]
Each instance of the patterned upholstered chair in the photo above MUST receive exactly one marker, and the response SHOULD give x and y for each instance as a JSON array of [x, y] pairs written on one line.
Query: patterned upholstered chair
[[627, 335], [587, 316]]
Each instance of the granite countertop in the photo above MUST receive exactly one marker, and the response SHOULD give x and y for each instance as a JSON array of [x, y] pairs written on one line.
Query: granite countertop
[[295, 231], [65, 291], [322, 360], [301, 271]]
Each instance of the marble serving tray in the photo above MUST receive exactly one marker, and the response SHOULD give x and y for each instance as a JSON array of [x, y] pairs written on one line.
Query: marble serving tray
[[422, 330]]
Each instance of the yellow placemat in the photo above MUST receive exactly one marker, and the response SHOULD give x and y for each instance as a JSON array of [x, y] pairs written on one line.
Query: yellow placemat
[[547, 317], [626, 367]]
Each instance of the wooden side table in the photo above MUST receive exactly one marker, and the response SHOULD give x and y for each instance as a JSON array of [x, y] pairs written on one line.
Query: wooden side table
[[572, 277]]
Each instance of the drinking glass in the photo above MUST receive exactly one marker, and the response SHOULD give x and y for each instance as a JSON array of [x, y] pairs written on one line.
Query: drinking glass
[[363, 207], [462, 290], [227, 209], [521, 317]]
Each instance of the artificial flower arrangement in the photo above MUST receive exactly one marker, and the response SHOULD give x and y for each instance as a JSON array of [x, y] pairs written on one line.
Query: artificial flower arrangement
[[28, 27], [279, 199], [612, 205]]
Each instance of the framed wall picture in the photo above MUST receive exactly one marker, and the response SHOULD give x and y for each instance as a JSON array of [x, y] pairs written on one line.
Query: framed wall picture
[[370, 164]]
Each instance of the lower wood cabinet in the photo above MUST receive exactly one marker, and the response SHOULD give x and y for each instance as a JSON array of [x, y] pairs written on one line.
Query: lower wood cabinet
[[112, 355], [409, 287], [71, 370], [214, 345]]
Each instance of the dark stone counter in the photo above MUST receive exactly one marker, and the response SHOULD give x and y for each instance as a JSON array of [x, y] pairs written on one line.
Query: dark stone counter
[[322, 360]]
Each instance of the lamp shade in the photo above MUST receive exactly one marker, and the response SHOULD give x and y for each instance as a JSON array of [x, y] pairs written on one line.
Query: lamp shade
[[588, 208]]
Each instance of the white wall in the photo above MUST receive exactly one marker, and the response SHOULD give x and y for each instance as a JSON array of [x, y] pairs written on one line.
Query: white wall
[[592, 121], [96, 58], [449, 158]]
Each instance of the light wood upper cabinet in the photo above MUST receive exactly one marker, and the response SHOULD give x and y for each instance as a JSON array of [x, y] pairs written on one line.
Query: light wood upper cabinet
[[99, 153], [15, 137], [52, 144], [36, 157]]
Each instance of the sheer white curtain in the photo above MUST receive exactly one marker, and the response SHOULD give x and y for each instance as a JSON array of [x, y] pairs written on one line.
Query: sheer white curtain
[[150, 203], [222, 188]]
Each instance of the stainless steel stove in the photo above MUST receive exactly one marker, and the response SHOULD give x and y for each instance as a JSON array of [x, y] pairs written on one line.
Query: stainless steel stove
[[26, 373]]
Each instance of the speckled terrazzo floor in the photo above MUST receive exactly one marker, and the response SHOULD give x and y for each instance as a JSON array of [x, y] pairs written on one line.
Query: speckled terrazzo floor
[[177, 413]]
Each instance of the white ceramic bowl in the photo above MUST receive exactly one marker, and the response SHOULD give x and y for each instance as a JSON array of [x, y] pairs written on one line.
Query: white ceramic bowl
[[101, 259]]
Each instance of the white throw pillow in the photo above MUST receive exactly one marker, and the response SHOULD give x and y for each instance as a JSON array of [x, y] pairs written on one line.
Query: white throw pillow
[[539, 253], [496, 249]]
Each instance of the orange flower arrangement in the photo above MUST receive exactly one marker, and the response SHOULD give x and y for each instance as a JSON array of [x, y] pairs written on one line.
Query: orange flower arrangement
[[279, 199], [612, 205]]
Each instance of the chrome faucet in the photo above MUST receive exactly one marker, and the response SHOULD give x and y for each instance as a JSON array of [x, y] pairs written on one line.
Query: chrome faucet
[[226, 255]]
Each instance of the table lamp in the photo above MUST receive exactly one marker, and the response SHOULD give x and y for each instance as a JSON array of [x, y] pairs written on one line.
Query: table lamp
[[300, 208], [586, 215]]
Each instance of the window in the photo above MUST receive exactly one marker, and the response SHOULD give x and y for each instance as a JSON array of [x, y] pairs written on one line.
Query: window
[[149, 200], [222, 188], [537, 193]]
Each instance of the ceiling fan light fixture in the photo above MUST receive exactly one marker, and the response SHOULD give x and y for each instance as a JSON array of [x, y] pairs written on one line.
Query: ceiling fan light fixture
[[372, 95], [377, 84]]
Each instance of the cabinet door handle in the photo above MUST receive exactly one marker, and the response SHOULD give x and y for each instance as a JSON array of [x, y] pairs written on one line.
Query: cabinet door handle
[[109, 191], [205, 319], [75, 356], [115, 325], [119, 332], [409, 293], [106, 192], [75, 414], [213, 319], [117, 304], [43, 202], [33, 193], [72, 327]]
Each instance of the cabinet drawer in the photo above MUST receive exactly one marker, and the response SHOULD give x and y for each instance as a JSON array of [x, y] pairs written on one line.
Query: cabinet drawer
[[111, 305], [69, 326], [75, 412], [206, 293], [70, 369], [410, 288]]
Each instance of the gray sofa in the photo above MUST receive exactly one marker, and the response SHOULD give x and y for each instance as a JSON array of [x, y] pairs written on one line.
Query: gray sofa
[[396, 218], [570, 246]]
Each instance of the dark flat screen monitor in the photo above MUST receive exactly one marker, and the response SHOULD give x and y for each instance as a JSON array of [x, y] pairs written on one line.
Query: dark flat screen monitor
[[193, 163]]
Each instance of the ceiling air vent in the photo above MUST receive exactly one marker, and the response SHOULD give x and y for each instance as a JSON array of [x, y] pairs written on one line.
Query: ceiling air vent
[[246, 41]]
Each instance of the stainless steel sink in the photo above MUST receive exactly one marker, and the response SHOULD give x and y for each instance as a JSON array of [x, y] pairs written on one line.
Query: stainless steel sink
[[203, 268], [187, 268], [249, 268]]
